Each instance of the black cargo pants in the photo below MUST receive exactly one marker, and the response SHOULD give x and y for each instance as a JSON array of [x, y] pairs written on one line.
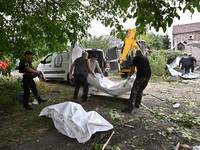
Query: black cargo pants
[[81, 80], [29, 84]]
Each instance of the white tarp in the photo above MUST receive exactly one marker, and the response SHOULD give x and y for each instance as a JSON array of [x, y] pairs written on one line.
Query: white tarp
[[72, 120], [108, 86], [173, 72]]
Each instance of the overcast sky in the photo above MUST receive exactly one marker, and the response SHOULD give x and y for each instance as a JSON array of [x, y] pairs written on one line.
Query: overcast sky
[[98, 29]]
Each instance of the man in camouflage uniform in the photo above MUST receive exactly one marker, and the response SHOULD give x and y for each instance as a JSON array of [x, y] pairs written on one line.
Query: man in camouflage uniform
[[141, 81]]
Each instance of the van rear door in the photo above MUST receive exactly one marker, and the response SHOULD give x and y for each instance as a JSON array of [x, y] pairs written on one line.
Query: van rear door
[[113, 59]]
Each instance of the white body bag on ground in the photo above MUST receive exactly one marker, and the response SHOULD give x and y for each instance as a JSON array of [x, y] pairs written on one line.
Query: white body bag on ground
[[108, 86], [72, 120], [173, 72]]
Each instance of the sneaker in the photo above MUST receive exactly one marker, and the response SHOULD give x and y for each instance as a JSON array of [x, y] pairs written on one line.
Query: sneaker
[[126, 110]]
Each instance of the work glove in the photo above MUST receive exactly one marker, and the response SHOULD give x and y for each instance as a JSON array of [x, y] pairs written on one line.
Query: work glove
[[102, 75], [70, 76], [129, 77], [95, 76]]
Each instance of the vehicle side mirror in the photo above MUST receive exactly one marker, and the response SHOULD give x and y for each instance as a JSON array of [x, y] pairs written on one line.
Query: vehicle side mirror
[[43, 62]]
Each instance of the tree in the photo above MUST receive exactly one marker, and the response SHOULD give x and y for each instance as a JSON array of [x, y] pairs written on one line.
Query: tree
[[96, 42], [29, 24], [158, 42], [166, 42], [149, 39]]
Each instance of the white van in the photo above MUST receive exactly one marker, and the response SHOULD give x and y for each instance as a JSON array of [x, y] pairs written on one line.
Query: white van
[[57, 66]]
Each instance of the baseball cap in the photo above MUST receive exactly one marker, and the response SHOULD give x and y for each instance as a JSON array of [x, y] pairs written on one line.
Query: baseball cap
[[29, 52]]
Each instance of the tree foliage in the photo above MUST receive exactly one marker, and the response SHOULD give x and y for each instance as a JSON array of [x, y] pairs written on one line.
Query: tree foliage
[[156, 41], [32, 24], [166, 42], [149, 39], [96, 42]]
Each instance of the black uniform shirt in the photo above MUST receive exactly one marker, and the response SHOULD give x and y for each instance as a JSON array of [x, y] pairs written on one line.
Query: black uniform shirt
[[143, 67], [24, 63]]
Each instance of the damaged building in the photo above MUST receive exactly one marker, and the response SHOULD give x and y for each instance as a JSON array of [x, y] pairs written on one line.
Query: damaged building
[[186, 37]]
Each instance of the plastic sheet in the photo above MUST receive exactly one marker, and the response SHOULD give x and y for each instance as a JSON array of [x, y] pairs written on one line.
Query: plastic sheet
[[72, 120], [108, 86], [173, 72]]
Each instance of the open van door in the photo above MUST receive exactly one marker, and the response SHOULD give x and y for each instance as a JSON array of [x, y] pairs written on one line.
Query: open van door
[[113, 59], [74, 53], [44, 67]]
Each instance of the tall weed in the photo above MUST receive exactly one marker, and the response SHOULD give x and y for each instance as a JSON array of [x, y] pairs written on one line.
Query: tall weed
[[9, 88]]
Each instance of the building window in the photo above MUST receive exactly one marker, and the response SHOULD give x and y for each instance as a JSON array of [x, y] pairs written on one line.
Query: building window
[[191, 37]]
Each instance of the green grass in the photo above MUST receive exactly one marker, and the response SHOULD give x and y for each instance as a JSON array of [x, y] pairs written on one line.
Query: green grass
[[26, 123], [10, 87], [157, 79]]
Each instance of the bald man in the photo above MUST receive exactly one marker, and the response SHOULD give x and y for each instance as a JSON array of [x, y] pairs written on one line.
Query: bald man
[[81, 68]]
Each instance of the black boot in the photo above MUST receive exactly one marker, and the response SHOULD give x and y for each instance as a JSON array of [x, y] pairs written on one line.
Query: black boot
[[40, 100]]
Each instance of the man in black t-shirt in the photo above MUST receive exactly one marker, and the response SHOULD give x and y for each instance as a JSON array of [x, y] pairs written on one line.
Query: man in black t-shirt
[[141, 81], [81, 68]]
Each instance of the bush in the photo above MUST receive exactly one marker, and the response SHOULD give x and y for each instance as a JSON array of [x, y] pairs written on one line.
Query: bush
[[169, 55], [158, 65], [159, 59], [36, 62]]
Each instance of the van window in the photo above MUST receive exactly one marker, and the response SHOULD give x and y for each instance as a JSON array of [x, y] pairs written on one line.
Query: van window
[[48, 59]]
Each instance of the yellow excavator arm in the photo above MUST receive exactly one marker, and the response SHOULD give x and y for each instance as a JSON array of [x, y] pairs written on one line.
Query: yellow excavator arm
[[129, 42]]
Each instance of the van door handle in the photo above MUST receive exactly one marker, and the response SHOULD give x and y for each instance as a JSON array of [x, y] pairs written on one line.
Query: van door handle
[[49, 65]]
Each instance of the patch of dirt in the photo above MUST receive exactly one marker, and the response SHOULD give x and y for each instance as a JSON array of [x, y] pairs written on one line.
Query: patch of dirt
[[147, 130]]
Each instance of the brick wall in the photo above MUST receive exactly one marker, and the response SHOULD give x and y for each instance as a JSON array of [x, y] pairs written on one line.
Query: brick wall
[[194, 49], [185, 37]]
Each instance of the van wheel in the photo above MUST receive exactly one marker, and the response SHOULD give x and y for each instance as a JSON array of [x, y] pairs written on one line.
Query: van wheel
[[41, 77], [71, 81]]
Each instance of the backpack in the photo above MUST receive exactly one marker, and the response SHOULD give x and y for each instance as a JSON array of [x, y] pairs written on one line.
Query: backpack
[[21, 67]]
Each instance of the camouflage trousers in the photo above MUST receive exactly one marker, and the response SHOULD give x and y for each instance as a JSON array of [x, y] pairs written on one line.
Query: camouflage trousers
[[136, 92]]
